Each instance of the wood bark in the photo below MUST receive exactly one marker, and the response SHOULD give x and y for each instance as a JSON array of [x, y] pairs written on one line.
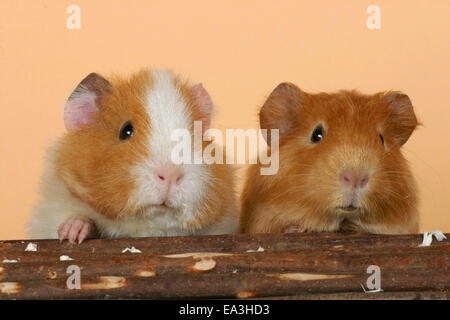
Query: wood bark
[[288, 266]]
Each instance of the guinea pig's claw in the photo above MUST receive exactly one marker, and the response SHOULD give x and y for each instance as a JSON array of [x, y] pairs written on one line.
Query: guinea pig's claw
[[74, 230]]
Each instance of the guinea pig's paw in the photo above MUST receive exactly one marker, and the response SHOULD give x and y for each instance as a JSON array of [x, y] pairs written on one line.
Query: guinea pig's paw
[[295, 229], [75, 229]]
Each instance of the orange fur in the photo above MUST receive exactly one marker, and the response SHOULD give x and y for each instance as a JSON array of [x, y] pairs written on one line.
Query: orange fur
[[96, 159], [306, 191], [95, 165]]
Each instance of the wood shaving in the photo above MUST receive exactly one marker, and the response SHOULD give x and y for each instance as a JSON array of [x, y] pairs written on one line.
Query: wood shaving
[[31, 247], [132, 250], [428, 237], [9, 261], [65, 258], [260, 249]]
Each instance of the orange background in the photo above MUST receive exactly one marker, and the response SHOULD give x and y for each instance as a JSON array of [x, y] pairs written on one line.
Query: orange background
[[240, 50]]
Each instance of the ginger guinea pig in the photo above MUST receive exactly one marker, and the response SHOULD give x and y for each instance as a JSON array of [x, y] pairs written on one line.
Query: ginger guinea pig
[[112, 174], [341, 166]]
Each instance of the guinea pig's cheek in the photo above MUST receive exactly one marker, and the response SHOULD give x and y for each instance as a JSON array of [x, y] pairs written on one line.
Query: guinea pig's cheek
[[194, 186], [145, 191], [75, 187]]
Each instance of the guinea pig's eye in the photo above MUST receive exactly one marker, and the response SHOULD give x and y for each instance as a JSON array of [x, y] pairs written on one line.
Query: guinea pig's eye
[[126, 132], [317, 134], [382, 139]]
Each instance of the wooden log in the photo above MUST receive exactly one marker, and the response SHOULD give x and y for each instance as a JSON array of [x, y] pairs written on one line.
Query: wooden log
[[228, 266], [409, 295]]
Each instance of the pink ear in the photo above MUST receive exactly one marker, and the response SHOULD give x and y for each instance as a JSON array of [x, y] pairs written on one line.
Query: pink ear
[[204, 102], [81, 105], [79, 109]]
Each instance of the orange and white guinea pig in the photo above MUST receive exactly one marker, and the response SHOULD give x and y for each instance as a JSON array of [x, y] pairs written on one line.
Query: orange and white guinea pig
[[341, 166], [112, 174]]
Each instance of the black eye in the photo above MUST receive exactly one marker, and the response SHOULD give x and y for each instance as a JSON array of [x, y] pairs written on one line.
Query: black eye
[[126, 132], [317, 134], [382, 139]]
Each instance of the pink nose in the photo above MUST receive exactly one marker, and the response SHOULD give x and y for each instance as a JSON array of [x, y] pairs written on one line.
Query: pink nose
[[169, 174], [354, 178]]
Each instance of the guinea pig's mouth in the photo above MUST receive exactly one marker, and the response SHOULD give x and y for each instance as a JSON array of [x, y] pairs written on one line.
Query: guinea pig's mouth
[[349, 208], [162, 206]]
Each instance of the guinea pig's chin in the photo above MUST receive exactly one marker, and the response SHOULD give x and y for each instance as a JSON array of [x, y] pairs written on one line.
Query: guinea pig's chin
[[350, 202], [150, 209]]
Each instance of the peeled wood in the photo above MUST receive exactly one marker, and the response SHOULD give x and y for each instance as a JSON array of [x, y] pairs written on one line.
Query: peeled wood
[[288, 265]]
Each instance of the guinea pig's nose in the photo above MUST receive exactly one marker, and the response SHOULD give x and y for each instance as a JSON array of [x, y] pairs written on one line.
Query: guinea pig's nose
[[169, 174], [354, 178]]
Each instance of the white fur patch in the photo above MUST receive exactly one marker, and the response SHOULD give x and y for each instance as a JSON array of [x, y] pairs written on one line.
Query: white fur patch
[[167, 111]]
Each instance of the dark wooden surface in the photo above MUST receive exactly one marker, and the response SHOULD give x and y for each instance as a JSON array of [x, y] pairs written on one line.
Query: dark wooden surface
[[289, 266]]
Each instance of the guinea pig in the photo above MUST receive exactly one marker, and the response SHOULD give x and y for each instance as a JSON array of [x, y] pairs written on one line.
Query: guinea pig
[[341, 166], [113, 175]]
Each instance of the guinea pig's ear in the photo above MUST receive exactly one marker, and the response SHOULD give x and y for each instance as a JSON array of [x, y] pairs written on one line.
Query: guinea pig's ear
[[204, 102], [280, 111], [402, 119], [82, 103]]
